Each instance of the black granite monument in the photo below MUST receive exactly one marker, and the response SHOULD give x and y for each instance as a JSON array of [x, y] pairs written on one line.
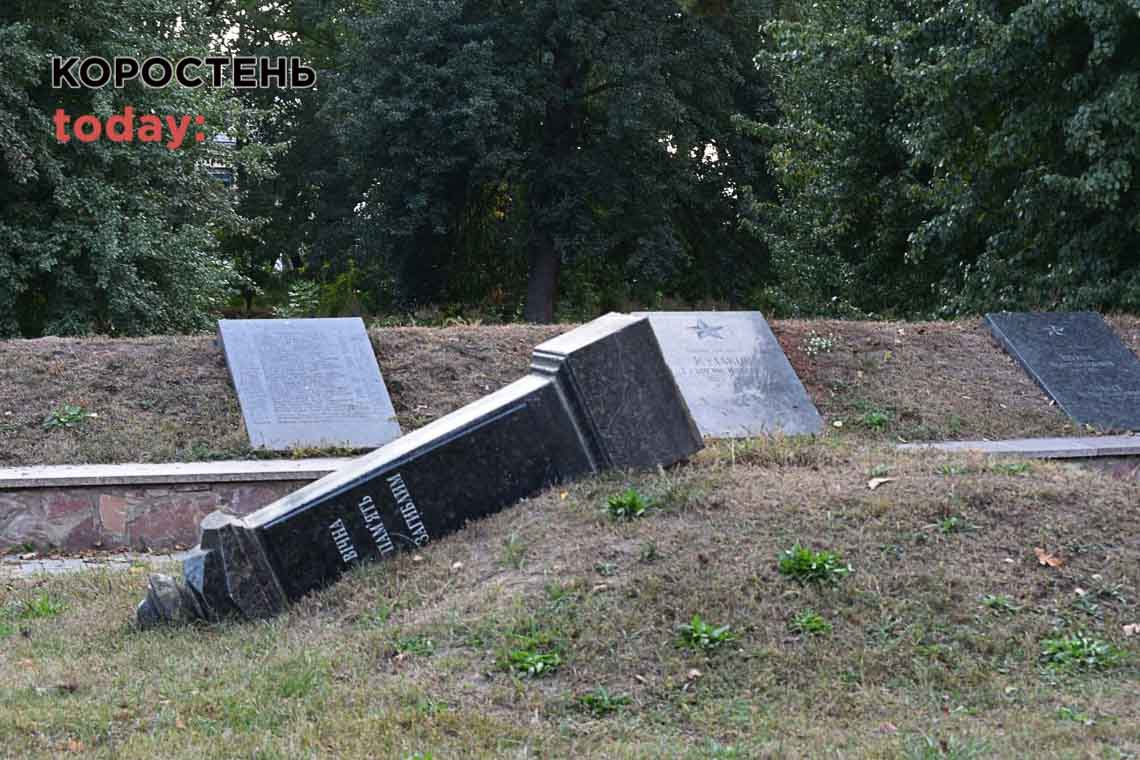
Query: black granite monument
[[1079, 361], [597, 397]]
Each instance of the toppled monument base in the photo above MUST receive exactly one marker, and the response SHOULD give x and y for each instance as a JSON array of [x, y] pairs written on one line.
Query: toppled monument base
[[597, 397]]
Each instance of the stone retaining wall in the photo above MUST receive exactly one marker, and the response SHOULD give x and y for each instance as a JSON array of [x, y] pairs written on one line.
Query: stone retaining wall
[[140, 507]]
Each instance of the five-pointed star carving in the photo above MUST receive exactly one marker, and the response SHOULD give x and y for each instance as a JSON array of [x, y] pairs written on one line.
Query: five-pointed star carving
[[705, 330]]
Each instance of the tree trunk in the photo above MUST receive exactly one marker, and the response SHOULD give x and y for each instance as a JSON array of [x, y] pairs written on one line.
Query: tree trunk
[[542, 281], [560, 136]]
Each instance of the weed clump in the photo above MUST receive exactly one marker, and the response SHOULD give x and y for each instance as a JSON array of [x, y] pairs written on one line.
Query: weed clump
[[599, 702], [1078, 652], [704, 636], [816, 567], [810, 623], [627, 505]]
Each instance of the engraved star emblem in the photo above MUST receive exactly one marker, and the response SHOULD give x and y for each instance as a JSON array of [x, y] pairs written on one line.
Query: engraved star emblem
[[1054, 330], [705, 330]]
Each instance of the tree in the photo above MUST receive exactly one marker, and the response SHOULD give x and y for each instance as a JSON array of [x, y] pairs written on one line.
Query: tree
[[302, 206], [528, 135], [848, 194], [1028, 114], [102, 236], [946, 158]]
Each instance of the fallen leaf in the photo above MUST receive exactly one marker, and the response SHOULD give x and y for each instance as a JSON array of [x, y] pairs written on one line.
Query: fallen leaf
[[417, 558], [1132, 629], [874, 483], [1045, 558], [888, 728], [74, 745], [178, 723], [693, 674]]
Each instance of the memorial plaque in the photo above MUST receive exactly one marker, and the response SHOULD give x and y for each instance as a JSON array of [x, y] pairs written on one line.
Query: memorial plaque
[[733, 374], [597, 397], [308, 383], [1078, 361]]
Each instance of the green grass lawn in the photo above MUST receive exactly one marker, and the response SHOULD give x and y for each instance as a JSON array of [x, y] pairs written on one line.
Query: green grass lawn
[[832, 620]]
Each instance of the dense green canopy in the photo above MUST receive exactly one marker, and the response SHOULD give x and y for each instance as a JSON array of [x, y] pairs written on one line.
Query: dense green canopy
[[104, 236], [560, 157]]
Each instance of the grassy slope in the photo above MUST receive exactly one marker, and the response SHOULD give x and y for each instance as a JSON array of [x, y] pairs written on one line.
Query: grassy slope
[[405, 657], [170, 398]]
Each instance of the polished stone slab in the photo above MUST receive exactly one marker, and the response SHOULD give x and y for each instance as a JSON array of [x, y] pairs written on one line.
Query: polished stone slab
[[1078, 361], [598, 397], [733, 374], [308, 383]]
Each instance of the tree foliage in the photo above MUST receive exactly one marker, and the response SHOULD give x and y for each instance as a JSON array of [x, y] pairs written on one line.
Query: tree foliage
[[102, 236], [490, 138], [863, 157], [1028, 115], [955, 157]]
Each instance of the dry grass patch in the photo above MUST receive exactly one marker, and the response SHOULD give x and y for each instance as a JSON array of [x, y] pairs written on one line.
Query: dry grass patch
[[924, 380], [416, 655], [171, 399]]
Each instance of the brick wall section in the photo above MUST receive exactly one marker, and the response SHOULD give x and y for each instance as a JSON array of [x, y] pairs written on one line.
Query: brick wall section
[[138, 506], [135, 517]]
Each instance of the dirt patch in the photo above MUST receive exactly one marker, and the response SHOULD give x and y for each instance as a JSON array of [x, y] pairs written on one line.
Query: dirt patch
[[171, 399], [921, 381]]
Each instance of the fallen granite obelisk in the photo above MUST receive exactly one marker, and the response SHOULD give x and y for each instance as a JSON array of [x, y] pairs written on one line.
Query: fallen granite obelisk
[[597, 397]]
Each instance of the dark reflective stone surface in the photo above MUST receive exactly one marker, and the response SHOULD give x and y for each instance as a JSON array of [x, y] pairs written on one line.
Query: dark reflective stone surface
[[599, 396], [1078, 361]]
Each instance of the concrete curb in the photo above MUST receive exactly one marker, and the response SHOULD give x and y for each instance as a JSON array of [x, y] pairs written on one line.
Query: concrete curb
[[237, 471], [1042, 448]]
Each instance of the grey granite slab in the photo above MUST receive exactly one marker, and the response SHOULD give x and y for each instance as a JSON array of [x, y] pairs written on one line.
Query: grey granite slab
[[1078, 361], [308, 383], [733, 373]]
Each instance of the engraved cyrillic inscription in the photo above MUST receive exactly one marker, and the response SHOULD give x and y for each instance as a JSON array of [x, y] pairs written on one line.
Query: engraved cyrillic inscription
[[375, 525], [407, 508], [343, 541]]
